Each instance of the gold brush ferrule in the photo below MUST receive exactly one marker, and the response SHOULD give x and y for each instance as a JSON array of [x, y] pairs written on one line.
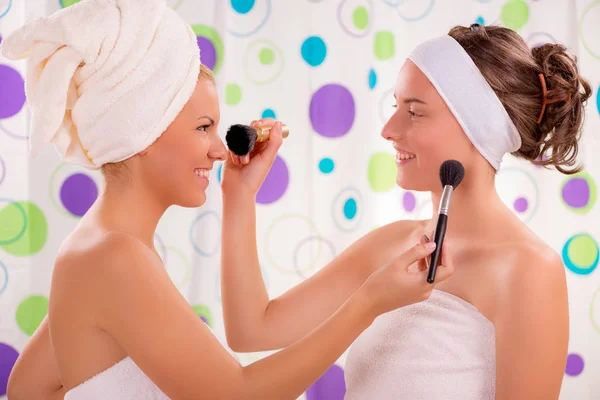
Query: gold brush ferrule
[[262, 134]]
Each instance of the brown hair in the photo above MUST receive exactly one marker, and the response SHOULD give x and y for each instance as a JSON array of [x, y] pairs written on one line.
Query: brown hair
[[512, 70], [116, 169]]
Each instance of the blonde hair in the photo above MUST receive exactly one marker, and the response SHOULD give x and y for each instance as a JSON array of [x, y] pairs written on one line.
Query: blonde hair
[[206, 73]]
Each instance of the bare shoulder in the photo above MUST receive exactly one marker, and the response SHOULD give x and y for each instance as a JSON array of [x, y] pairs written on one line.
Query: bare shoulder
[[534, 278], [534, 264], [101, 254], [98, 267]]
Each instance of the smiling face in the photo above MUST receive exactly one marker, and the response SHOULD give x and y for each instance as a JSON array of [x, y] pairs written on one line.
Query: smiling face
[[424, 132], [177, 166]]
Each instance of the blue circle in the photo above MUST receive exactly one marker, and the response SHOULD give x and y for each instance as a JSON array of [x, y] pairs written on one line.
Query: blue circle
[[313, 50], [372, 78], [3, 267], [7, 9], [255, 29], [598, 100], [220, 172], [326, 165], [242, 6], [480, 20], [350, 208], [191, 234], [421, 16], [268, 113]]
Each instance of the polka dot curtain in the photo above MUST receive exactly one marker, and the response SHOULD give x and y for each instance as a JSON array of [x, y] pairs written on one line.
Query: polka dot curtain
[[327, 68]]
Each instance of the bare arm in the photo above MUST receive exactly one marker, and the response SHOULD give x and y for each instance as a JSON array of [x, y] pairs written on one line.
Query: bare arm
[[253, 322], [156, 327], [35, 375], [532, 330]]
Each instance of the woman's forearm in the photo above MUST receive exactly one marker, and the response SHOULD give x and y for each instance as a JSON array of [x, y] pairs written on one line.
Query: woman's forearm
[[243, 291]]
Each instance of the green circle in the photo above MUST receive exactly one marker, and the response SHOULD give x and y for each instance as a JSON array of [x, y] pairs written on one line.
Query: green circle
[[583, 251], [515, 14], [204, 312], [382, 172], [385, 46], [215, 38], [583, 41], [249, 57], [31, 312], [188, 267], [266, 56], [13, 223], [591, 185], [360, 18], [233, 94], [67, 3], [35, 235]]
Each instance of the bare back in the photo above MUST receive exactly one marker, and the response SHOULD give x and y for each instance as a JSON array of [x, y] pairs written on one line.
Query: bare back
[[78, 294]]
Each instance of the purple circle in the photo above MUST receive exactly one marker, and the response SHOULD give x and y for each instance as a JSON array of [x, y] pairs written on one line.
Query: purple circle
[[521, 204], [275, 183], [208, 53], [331, 386], [332, 110], [8, 357], [12, 95], [409, 201], [576, 192], [574, 365], [78, 193]]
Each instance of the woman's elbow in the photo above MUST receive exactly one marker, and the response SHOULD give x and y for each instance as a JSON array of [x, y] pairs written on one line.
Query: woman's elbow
[[15, 389]]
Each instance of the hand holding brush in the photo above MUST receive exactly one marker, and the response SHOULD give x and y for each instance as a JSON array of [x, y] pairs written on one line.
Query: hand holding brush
[[245, 174], [242, 139]]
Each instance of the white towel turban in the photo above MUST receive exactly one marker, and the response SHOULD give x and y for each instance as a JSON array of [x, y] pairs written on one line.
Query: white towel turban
[[105, 78]]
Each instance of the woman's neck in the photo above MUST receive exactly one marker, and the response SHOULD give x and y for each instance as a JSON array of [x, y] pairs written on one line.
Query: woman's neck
[[131, 209], [475, 205]]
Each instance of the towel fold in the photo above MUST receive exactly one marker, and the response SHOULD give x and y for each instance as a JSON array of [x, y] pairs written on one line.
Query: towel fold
[[440, 349], [123, 381], [105, 78]]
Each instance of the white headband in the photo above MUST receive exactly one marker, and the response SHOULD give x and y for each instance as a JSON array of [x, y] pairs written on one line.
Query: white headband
[[469, 96]]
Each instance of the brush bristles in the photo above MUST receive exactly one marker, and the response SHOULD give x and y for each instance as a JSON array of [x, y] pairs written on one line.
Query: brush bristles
[[241, 139], [452, 173]]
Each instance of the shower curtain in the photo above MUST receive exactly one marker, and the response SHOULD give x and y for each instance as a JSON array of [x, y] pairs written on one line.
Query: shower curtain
[[327, 69]]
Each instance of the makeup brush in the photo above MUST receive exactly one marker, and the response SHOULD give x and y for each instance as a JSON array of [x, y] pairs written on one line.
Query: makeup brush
[[452, 173], [242, 138]]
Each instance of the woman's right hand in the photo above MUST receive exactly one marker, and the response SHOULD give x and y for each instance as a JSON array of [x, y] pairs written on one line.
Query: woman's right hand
[[396, 284]]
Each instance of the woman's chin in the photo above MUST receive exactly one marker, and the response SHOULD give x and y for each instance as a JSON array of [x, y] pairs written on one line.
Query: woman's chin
[[412, 183]]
